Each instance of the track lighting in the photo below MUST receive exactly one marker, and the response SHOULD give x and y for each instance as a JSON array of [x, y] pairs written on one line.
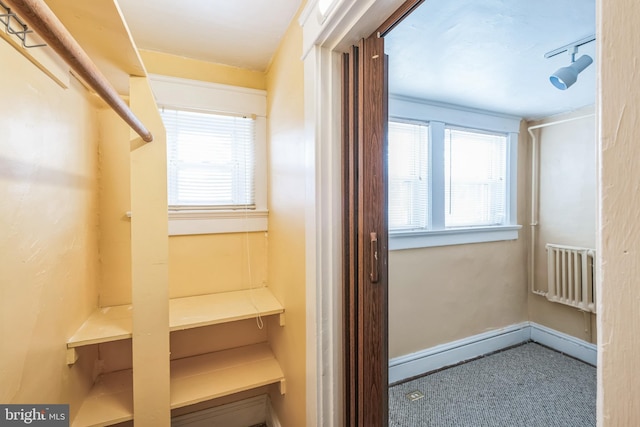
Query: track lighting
[[566, 76]]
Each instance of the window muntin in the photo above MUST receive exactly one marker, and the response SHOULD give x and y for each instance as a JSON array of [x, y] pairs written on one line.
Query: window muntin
[[210, 160]]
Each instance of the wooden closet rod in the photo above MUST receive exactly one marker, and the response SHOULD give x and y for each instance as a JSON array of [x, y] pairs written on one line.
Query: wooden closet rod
[[40, 18]]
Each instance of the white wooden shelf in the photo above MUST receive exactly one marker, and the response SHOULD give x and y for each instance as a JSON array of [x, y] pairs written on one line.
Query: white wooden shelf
[[114, 323], [212, 309], [109, 401], [193, 379], [104, 325], [209, 376]]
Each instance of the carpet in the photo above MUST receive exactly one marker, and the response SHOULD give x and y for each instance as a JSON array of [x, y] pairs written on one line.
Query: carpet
[[529, 386]]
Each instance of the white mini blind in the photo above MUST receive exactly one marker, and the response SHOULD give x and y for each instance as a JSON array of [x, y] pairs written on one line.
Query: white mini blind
[[475, 178], [408, 176], [210, 160]]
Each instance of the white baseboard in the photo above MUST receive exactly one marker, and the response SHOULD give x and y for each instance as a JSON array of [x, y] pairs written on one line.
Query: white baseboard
[[419, 363], [244, 413], [564, 343], [272, 417]]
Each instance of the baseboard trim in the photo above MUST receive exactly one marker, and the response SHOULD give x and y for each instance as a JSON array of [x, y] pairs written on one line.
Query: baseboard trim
[[244, 413], [272, 417], [438, 357], [415, 364], [564, 343]]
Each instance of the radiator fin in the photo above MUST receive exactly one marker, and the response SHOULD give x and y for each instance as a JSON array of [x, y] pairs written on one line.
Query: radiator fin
[[571, 276]]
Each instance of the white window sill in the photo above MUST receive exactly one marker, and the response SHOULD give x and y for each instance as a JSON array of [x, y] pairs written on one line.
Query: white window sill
[[187, 222], [458, 236]]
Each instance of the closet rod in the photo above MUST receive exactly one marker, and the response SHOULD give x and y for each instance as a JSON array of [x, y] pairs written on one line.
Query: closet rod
[[39, 17]]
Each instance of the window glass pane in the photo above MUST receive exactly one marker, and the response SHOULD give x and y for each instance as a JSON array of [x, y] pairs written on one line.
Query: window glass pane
[[210, 159], [408, 176], [475, 178]]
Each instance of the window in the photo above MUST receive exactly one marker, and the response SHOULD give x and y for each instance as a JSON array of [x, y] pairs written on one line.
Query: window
[[474, 178], [210, 160], [216, 156], [408, 176], [449, 184]]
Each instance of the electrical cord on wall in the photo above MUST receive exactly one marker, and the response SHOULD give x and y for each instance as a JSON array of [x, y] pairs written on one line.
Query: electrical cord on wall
[[259, 321]]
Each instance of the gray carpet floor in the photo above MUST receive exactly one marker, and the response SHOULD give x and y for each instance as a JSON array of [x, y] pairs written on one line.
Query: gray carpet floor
[[529, 386]]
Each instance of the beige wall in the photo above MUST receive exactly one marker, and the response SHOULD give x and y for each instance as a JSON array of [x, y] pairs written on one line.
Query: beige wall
[[441, 294], [438, 295], [198, 264], [567, 212], [187, 68], [619, 243], [115, 202], [287, 219], [210, 263], [49, 230]]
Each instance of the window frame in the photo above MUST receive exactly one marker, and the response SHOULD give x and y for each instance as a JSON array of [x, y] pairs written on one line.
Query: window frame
[[194, 95], [438, 117]]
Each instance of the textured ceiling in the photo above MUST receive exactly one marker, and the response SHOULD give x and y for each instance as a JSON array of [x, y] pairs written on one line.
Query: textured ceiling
[[489, 54], [486, 55], [241, 33]]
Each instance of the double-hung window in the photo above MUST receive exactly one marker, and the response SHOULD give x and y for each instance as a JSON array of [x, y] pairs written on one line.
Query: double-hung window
[[408, 162], [450, 183], [210, 160], [216, 156]]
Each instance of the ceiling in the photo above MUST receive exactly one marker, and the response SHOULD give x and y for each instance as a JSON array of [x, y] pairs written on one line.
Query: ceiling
[[489, 54], [486, 55], [240, 33]]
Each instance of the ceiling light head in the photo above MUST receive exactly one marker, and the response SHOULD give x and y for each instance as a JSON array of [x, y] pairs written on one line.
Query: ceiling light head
[[566, 76]]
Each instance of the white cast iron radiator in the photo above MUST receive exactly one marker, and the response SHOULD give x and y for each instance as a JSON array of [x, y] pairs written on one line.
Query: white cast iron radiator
[[571, 276]]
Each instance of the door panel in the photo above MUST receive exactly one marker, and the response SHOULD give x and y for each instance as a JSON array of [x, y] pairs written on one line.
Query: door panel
[[366, 238]]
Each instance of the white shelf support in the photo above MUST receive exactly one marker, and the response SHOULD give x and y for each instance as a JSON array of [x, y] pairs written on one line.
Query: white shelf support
[[72, 356], [281, 317]]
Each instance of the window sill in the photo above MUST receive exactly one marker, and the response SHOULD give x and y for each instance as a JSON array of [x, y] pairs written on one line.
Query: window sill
[[185, 222], [459, 236]]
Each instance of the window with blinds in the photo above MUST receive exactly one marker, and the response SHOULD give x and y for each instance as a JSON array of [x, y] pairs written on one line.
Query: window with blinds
[[408, 176], [210, 160], [475, 167], [442, 177]]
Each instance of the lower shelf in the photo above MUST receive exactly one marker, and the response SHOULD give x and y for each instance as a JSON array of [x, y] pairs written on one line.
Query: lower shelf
[[110, 401], [209, 376], [193, 380]]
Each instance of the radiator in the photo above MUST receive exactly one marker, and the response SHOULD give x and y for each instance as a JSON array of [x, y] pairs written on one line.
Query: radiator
[[571, 276]]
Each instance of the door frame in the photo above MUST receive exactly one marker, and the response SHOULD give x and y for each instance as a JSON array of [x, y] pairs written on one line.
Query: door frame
[[325, 38]]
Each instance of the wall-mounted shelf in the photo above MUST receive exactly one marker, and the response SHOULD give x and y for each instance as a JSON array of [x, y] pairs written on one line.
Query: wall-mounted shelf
[[104, 325], [209, 376], [114, 323], [212, 309], [110, 401], [193, 379]]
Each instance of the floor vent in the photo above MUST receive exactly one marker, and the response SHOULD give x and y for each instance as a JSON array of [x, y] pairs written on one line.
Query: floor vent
[[415, 395]]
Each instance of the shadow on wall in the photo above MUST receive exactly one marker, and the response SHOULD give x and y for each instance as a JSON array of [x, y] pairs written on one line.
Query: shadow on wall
[[16, 170]]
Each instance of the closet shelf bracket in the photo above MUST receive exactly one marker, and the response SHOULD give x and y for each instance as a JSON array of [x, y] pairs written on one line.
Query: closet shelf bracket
[[72, 356]]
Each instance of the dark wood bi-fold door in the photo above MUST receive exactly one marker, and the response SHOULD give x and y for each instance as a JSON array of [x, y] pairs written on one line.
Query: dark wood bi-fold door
[[365, 251], [365, 233]]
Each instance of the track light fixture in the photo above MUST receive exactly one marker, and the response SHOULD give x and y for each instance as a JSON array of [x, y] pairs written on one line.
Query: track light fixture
[[566, 76]]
